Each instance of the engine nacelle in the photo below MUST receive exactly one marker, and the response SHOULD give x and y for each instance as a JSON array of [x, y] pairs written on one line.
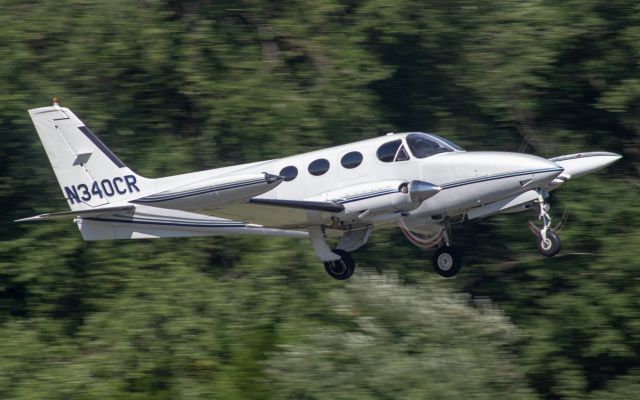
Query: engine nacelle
[[382, 197]]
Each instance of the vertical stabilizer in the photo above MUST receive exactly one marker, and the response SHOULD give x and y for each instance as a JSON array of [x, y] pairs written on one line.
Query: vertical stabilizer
[[89, 174]]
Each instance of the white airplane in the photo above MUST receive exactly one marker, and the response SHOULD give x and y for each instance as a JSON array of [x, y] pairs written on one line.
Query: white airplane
[[416, 180]]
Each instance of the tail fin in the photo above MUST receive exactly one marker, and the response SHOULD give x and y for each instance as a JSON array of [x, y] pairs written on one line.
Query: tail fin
[[89, 174]]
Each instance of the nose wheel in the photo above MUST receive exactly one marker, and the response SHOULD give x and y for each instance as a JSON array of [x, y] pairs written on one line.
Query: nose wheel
[[548, 246], [342, 268]]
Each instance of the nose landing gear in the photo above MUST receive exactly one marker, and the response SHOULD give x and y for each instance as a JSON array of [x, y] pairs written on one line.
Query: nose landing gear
[[547, 241]]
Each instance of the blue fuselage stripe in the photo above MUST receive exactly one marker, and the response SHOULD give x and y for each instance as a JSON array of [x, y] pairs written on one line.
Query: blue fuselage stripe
[[495, 177]]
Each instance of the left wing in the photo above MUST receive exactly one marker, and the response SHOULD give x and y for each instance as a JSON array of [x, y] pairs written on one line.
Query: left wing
[[153, 222], [142, 222]]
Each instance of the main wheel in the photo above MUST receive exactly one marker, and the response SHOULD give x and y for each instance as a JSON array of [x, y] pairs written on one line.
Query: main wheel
[[447, 262], [549, 247], [341, 269]]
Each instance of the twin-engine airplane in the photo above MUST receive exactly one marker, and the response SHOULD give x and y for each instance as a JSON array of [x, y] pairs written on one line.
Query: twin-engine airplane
[[416, 180]]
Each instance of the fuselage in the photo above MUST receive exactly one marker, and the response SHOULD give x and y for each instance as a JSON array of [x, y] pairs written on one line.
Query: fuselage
[[367, 178]]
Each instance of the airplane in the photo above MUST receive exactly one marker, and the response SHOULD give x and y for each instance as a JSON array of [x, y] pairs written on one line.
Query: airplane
[[418, 181]]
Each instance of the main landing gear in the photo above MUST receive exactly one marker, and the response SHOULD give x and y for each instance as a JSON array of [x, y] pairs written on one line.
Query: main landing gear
[[447, 261], [342, 268], [547, 241], [338, 262]]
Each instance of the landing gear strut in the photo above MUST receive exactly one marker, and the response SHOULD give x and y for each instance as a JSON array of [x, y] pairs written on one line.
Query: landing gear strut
[[547, 241], [447, 260]]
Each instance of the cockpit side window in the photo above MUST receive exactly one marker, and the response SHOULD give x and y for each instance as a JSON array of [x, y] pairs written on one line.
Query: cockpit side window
[[402, 154], [422, 146], [387, 151]]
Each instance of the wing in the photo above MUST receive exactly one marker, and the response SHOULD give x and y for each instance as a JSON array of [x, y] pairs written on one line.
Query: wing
[[284, 214], [327, 206], [141, 222]]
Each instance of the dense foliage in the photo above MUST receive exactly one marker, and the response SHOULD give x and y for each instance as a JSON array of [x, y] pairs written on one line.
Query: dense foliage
[[176, 86]]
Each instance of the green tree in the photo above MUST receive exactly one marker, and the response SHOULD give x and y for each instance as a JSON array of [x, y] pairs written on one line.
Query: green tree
[[402, 341]]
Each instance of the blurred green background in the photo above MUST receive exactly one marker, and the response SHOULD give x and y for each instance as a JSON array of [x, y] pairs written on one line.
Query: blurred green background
[[176, 86]]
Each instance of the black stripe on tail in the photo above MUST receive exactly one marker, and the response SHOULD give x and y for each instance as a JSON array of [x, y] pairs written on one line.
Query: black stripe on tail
[[94, 139]]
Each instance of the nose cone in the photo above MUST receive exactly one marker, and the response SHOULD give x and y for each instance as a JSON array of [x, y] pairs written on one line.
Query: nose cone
[[583, 163]]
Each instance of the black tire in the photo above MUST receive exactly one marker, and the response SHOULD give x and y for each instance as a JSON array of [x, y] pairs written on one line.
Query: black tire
[[341, 269], [549, 248], [447, 262]]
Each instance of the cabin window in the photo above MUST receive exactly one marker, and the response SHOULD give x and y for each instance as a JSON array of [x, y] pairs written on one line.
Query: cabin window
[[289, 173], [318, 167], [422, 145], [351, 159], [387, 152]]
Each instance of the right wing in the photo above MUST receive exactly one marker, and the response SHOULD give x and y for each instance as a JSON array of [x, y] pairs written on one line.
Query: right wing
[[328, 206]]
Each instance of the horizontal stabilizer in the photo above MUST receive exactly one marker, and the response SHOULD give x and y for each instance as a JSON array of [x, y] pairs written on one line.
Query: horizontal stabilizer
[[327, 206], [77, 214]]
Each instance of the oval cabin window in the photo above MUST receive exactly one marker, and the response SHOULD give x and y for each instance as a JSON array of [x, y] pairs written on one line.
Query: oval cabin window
[[319, 167], [289, 173], [351, 160]]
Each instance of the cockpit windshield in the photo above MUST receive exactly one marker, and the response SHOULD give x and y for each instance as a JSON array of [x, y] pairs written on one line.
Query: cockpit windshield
[[423, 145]]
